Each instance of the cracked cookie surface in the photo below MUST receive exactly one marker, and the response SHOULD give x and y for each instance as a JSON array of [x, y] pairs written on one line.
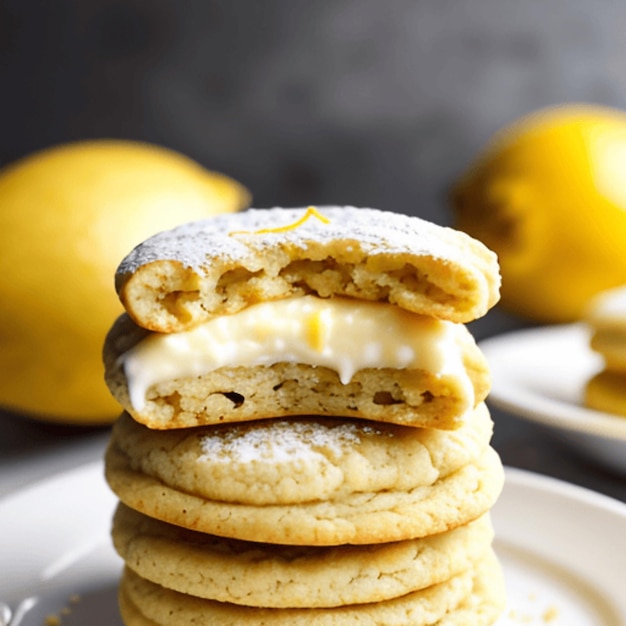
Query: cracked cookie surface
[[257, 574], [472, 598]]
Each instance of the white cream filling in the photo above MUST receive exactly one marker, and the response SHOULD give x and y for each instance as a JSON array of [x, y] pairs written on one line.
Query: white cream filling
[[339, 333]]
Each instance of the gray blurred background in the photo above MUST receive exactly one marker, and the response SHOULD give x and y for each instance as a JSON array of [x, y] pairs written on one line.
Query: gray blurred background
[[370, 102]]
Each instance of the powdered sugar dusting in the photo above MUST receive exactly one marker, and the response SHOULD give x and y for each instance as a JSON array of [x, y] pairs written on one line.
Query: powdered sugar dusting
[[281, 441], [234, 236]]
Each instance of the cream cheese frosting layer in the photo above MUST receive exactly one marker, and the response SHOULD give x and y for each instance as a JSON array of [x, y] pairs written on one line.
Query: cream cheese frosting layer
[[343, 334]]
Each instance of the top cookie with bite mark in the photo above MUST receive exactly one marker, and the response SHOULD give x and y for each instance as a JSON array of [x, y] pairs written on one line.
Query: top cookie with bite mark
[[180, 278]]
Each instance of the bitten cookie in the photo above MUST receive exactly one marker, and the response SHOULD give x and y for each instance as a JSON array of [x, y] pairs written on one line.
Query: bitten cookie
[[385, 364], [257, 574], [185, 276], [473, 598]]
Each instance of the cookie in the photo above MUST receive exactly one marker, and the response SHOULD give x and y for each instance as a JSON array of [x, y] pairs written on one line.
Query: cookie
[[257, 574], [359, 517], [387, 365], [185, 276], [606, 318], [472, 598], [300, 460], [486, 602], [605, 391]]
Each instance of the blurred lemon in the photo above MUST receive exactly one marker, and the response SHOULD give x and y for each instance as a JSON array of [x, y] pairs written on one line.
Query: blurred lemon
[[548, 194], [68, 215]]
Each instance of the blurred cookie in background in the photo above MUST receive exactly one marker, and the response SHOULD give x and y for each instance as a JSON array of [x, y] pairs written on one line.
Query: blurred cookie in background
[[606, 319]]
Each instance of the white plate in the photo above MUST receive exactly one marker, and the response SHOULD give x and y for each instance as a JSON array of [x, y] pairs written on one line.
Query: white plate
[[561, 548], [540, 373]]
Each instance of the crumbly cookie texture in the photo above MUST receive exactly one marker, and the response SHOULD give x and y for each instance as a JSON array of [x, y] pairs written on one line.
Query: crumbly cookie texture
[[179, 278], [235, 394], [256, 574], [300, 460], [358, 518], [472, 598]]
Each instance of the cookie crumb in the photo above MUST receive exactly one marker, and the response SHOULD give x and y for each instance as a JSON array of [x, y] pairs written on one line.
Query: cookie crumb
[[55, 620], [520, 618], [550, 614]]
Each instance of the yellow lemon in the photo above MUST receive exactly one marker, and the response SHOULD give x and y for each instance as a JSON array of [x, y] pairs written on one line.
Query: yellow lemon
[[68, 215], [548, 194]]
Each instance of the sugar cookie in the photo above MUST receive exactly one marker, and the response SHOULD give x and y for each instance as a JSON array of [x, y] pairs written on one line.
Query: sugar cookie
[[170, 386], [472, 598], [257, 574], [606, 318], [606, 391], [300, 460], [184, 276], [356, 518]]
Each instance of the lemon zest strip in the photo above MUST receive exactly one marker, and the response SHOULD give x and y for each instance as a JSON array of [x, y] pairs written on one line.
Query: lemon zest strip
[[315, 331], [310, 212]]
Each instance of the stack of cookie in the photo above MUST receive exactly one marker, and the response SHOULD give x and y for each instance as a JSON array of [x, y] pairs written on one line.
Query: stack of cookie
[[605, 317], [305, 439]]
